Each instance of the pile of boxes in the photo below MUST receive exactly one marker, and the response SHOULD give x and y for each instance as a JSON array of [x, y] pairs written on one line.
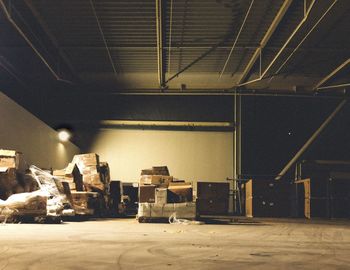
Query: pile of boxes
[[161, 195], [88, 180], [86, 173], [20, 192], [72, 176], [13, 177]]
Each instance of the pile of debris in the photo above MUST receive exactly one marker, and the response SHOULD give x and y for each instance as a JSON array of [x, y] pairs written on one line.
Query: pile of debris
[[162, 195]]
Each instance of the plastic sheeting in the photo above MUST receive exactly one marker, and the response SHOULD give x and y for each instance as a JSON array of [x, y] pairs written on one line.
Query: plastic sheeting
[[29, 203], [49, 186]]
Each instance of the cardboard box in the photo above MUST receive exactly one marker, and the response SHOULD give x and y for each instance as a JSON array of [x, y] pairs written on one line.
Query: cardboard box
[[147, 172], [85, 203], [180, 192], [160, 170], [89, 159], [12, 159], [93, 182], [59, 173], [161, 196], [159, 180], [147, 194], [89, 170], [8, 182], [71, 184]]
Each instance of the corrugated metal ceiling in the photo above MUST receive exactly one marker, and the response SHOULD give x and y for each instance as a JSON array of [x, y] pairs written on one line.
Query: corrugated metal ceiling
[[198, 38]]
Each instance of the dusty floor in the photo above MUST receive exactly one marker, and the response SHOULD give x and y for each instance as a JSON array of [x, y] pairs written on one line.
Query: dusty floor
[[125, 244]]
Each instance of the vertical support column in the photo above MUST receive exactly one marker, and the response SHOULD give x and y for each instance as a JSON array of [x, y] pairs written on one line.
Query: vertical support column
[[237, 150]]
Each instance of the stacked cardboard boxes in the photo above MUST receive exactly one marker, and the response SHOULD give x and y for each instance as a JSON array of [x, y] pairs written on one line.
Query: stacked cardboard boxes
[[71, 175], [13, 177], [161, 195], [88, 181], [89, 166]]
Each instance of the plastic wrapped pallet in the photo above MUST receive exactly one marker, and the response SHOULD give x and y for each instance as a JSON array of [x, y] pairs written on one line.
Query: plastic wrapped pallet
[[30, 203], [161, 195], [48, 184], [153, 210]]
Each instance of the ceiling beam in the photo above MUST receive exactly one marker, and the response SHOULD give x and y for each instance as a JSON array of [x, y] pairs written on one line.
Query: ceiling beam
[[313, 137], [330, 75], [51, 37], [30, 44], [265, 40], [103, 37], [160, 29]]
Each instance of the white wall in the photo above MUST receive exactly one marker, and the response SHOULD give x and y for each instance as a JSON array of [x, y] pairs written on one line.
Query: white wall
[[189, 155], [22, 131]]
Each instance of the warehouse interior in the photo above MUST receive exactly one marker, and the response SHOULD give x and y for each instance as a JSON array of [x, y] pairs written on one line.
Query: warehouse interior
[[207, 134]]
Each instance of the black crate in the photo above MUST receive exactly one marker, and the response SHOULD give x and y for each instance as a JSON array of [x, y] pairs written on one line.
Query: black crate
[[212, 207], [213, 190], [270, 208], [340, 207]]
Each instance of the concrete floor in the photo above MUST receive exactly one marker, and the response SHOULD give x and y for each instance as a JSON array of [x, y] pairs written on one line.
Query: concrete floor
[[125, 244]]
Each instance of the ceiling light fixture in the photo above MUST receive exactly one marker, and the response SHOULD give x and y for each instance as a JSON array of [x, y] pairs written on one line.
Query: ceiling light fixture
[[64, 135]]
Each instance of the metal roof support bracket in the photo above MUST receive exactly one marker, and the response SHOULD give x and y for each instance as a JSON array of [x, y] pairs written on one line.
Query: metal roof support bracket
[[330, 75], [236, 39], [305, 37], [265, 39], [103, 37], [281, 50]]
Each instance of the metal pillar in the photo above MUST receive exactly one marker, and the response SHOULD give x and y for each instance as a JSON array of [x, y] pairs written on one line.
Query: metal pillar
[[237, 149]]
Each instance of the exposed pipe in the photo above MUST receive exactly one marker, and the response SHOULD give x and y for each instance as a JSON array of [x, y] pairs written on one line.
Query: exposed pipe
[[282, 11], [330, 75], [103, 36], [159, 28], [13, 23], [165, 123], [311, 139], [236, 39], [170, 33], [306, 36], [283, 47], [219, 93]]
